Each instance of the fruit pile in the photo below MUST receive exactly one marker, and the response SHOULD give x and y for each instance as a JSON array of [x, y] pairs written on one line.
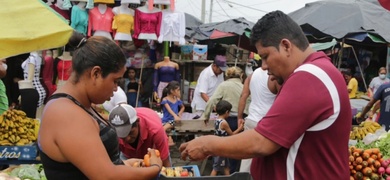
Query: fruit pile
[[358, 133], [367, 164], [176, 172], [17, 129]]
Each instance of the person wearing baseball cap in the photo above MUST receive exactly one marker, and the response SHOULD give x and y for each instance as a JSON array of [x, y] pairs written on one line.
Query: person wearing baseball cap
[[208, 81], [139, 129]]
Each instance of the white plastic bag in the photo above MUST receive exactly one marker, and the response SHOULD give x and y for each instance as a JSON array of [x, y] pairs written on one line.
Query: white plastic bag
[[369, 138]]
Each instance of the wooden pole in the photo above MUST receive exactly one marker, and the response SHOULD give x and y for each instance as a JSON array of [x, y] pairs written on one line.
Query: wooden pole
[[140, 80]]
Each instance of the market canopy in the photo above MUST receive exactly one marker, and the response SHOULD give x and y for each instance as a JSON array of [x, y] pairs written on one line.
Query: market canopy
[[233, 31], [30, 25], [325, 20]]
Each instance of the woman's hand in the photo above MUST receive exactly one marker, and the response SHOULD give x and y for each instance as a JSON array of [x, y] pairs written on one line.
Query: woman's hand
[[154, 159], [134, 162]]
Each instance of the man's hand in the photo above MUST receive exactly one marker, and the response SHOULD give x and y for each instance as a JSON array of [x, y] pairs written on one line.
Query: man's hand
[[194, 150], [240, 121]]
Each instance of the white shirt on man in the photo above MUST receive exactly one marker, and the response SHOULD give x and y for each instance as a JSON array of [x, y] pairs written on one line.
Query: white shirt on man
[[207, 83]]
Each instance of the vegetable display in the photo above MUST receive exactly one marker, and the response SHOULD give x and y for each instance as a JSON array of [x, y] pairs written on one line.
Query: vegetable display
[[367, 164], [24, 172]]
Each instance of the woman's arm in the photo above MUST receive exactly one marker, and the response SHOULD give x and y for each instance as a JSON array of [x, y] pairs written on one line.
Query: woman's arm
[[59, 136]]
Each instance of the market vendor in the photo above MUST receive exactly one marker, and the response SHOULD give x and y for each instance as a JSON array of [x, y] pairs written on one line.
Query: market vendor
[[352, 84], [305, 133], [74, 141], [139, 129]]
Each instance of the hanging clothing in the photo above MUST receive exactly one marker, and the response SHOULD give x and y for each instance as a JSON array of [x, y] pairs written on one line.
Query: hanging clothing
[[3, 98], [47, 75], [79, 20], [37, 61], [100, 22], [123, 23], [165, 74], [62, 70], [173, 27], [63, 13], [147, 25]]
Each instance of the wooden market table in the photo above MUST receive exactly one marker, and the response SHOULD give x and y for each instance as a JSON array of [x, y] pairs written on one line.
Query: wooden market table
[[194, 127]]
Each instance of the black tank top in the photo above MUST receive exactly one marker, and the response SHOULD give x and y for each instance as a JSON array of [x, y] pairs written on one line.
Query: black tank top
[[60, 170], [132, 85]]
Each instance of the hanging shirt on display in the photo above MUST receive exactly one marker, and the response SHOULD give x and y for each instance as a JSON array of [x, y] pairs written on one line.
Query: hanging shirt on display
[[63, 13], [147, 24], [123, 24], [62, 71], [79, 20], [98, 21], [37, 61], [173, 27]]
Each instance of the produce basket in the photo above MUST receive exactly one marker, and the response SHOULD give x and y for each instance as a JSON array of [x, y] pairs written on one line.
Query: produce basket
[[192, 170]]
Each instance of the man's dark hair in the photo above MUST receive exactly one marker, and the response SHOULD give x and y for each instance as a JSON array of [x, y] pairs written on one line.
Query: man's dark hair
[[275, 26], [223, 106]]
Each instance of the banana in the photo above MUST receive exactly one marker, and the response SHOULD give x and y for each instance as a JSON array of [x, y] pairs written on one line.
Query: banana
[[20, 144], [365, 131], [21, 130], [376, 124], [358, 136], [1, 119], [352, 135]]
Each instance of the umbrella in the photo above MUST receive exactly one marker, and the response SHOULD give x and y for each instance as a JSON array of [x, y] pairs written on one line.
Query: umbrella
[[331, 18], [30, 25]]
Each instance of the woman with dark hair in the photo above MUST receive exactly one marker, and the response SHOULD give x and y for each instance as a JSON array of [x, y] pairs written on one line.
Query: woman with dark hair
[[74, 140], [133, 86]]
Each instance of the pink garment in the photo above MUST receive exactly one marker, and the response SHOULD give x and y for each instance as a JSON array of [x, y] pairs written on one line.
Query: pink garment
[[149, 23], [98, 21], [171, 2], [47, 75], [63, 13], [152, 135]]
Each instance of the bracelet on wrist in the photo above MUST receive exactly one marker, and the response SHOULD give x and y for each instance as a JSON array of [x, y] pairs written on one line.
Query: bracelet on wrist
[[159, 167]]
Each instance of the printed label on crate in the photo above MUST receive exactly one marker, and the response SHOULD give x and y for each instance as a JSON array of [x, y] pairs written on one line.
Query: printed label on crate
[[18, 152]]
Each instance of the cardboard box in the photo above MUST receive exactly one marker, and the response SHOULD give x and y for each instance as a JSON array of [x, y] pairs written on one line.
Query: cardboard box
[[199, 52], [18, 152], [186, 52]]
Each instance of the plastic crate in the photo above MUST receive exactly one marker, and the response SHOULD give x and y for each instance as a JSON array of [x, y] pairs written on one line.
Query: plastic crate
[[190, 168], [234, 176]]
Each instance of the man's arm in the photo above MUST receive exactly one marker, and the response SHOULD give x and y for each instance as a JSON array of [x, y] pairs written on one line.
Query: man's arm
[[247, 144], [204, 96], [244, 96], [212, 102]]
